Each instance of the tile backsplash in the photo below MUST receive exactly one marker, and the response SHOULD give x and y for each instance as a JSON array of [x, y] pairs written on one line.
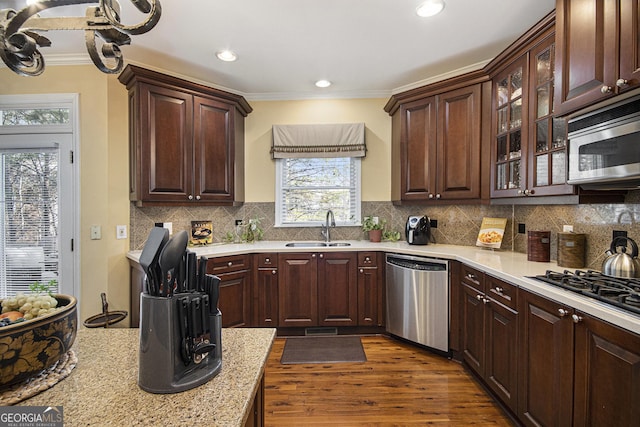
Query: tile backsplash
[[457, 224]]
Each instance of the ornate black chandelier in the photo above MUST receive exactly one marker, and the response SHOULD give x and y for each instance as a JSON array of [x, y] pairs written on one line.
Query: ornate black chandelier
[[19, 38]]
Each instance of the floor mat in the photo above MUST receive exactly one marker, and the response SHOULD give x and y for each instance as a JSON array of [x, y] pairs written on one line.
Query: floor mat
[[334, 349]]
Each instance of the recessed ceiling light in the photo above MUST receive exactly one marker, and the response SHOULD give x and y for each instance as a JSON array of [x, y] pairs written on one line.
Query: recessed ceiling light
[[227, 55], [323, 83], [430, 8]]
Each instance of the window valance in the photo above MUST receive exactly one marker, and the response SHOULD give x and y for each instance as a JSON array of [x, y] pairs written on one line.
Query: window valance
[[322, 140]]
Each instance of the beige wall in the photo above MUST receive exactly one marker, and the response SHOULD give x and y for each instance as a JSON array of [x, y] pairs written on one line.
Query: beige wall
[[260, 168], [103, 157]]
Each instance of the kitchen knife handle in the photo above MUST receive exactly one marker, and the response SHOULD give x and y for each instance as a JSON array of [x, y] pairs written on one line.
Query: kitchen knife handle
[[192, 271], [202, 273]]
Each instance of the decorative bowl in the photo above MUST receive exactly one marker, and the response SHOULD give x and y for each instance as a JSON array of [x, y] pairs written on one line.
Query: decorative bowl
[[28, 348]]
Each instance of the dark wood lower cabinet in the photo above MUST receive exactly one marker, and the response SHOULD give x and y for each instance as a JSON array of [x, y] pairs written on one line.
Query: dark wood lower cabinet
[[298, 290], [370, 289], [607, 375], [338, 290], [546, 362], [265, 290], [235, 299], [256, 412]]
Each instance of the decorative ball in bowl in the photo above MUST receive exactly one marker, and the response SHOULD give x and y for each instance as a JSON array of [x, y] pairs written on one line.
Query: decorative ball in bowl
[[29, 347]]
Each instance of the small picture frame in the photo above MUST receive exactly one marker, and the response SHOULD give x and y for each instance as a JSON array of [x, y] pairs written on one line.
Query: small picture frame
[[201, 233]]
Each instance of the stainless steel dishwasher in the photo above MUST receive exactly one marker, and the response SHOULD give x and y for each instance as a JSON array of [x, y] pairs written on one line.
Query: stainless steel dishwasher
[[418, 300]]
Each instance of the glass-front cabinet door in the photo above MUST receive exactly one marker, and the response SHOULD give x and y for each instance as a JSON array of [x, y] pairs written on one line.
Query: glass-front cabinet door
[[548, 157], [510, 112]]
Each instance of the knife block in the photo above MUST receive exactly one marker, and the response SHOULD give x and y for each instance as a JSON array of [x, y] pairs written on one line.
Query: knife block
[[161, 368]]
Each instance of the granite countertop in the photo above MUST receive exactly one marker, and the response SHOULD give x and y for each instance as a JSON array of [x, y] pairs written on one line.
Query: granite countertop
[[510, 266], [103, 387]]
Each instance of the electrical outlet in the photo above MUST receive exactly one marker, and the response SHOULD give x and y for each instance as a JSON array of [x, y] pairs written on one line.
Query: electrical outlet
[[433, 223], [121, 231], [567, 228], [521, 228], [375, 219], [96, 232], [619, 233], [168, 226]]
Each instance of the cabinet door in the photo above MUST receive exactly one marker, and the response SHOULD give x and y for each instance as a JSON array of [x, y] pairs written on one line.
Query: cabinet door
[[547, 154], [458, 146], [368, 296], [501, 370], [586, 52], [235, 298], [607, 375], [298, 290], [629, 73], [213, 150], [545, 362], [338, 290], [166, 149], [265, 297], [418, 149], [510, 109], [472, 328]]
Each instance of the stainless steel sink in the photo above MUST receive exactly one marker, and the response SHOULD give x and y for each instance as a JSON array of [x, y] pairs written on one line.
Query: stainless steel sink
[[315, 244]]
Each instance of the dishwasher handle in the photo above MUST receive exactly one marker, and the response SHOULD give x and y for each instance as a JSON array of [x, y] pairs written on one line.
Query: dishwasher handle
[[416, 264]]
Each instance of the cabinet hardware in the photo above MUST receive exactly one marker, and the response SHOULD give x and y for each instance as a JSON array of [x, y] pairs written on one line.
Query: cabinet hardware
[[576, 318], [321, 255], [479, 297], [471, 276], [498, 289], [622, 82], [274, 272], [197, 197], [313, 255], [229, 264], [190, 197], [563, 312], [267, 260], [606, 89]]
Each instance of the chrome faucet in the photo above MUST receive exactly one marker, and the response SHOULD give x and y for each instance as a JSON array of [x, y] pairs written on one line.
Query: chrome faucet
[[330, 222]]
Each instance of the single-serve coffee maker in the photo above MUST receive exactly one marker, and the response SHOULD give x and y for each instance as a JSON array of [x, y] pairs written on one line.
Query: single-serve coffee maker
[[418, 230], [180, 323]]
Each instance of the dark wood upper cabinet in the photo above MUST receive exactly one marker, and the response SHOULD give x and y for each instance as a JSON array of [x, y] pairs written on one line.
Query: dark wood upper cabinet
[[186, 141], [597, 52], [437, 141]]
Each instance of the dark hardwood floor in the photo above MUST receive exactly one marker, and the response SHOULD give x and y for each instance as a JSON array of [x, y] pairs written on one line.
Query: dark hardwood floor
[[398, 385]]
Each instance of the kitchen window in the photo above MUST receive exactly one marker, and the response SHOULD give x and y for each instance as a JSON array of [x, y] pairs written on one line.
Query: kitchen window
[[318, 169], [37, 193], [307, 188]]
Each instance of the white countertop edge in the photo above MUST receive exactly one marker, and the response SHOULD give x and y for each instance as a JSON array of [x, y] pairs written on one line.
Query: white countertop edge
[[510, 266]]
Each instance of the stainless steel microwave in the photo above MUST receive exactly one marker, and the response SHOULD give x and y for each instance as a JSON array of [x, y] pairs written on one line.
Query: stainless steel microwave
[[604, 147]]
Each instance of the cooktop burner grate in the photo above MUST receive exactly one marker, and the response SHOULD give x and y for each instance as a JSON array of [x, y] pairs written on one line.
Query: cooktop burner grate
[[620, 292]]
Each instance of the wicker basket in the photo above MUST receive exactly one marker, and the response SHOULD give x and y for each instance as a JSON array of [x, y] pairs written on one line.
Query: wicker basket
[[539, 246]]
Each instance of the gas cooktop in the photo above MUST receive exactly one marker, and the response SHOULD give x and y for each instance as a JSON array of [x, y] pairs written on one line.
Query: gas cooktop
[[620, 292]]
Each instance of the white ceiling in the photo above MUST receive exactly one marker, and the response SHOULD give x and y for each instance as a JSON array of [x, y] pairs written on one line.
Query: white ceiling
[[367, 48]]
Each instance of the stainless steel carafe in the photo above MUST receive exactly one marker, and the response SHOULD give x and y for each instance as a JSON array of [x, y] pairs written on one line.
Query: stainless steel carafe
[[621, 264]]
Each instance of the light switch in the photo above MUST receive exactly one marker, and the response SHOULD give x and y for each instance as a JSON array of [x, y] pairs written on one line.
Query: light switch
[[121, 231], [96, 232]]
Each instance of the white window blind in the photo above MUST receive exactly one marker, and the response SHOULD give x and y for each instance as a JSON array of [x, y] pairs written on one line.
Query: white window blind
[[29, 207], [308, 187]]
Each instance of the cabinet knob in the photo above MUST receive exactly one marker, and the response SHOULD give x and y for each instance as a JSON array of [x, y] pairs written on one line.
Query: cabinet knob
[[197, 197], [431, 196], [576, 318], [521, 192], [267, 260], [498, 289], [606, 89], [321, 255], [229, 264], [563, 312], [438, 196], [313, 255], [274, 272], [479, 297], [622, 83], [190, 197], [471, 276], [361, 270], [367, 259], [485, 300]]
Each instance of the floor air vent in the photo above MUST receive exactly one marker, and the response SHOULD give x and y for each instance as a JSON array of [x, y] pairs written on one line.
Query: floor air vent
[[321, 331]]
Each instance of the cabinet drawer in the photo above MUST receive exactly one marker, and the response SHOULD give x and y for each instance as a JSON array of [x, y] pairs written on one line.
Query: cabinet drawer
[[367, 259], [472, 277], [266, 260], [228, 264], [503, 292]]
